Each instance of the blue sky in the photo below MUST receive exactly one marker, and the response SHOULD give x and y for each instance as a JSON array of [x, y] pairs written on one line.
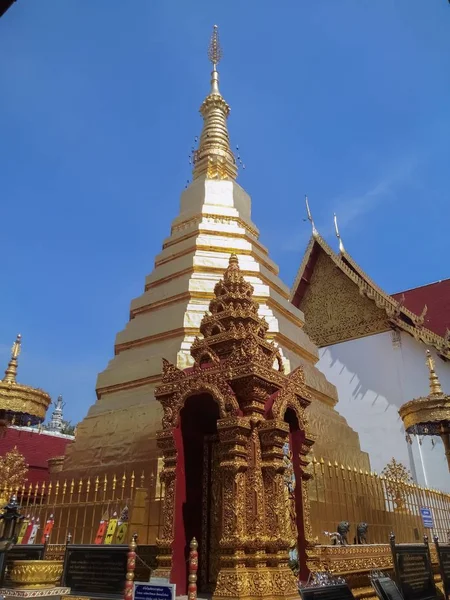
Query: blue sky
[[345, 100]]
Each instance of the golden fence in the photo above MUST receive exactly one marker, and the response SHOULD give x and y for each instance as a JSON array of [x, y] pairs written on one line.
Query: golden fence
[[78, 505], [339, 493], [336, 493]]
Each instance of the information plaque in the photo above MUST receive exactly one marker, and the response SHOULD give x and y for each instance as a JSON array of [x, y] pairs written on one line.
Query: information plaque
[[18, 552], [340, 591], [153, 590], [386, 588], [95, 571], [413, 571], [443, 553]]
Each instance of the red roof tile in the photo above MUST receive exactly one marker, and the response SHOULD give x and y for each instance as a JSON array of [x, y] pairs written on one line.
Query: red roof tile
[[437, 298], [36, 447]]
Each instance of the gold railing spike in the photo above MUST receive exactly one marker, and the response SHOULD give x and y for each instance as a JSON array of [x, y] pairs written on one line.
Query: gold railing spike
[[336, 464], [321, 460], [88, 485], [142, 479], [132, 479], [342, 467], [349, 468], [50, 487], [114, 483], [105, 483], [72, 485], [329, 463], [355, 469], [80, 485], [314, 459], [124, 480]]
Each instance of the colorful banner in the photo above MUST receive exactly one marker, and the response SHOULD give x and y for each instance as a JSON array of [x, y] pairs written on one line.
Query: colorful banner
[[47, 529], [111, 530]]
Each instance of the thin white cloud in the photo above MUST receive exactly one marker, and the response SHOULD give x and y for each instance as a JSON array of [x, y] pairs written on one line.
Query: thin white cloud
[[350, 208]]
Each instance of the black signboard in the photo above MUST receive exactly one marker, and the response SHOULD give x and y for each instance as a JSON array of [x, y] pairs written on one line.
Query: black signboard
[[443, 552], [386, 588], [340, 591], [413, 571], [19, 552], [95, 571]]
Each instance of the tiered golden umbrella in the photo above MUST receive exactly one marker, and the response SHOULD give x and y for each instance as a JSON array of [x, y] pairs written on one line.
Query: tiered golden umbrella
[[429, 415], [20, 404]]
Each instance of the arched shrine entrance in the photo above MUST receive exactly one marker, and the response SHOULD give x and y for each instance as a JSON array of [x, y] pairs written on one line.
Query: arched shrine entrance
[[226, 426]]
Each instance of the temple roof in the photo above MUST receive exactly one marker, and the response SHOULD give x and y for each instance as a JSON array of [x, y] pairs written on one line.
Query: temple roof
[[436, 296], [37, 447], [371, 309]]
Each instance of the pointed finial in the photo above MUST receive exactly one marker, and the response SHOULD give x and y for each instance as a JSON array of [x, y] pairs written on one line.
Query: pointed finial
[[435, 384], [336, 228], [214, 158], [233, 260], [215, 56], [11, 370], [310, 219], [215, 49]]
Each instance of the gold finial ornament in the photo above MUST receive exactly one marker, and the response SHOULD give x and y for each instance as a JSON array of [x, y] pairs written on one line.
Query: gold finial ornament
[[435, 384], [338, 235], [215, 49], [11, 369], [214, 159], [310, 219]]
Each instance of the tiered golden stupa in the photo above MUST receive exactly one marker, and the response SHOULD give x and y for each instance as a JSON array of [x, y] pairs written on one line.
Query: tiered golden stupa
[[214, 220], [20, 404]]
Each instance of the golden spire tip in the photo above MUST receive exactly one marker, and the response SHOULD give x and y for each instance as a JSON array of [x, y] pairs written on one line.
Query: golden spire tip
[[215, 56], [310, 219], [11, 369], [435, 384], [336, 228]]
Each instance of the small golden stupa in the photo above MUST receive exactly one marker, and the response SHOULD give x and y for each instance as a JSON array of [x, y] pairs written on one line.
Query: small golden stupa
[[20, 404], [429, 415]]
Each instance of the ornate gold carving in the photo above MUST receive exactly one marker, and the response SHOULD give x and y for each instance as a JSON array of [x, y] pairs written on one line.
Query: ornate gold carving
[[243, 372], [334, 310], [394, 473], [364, 321]]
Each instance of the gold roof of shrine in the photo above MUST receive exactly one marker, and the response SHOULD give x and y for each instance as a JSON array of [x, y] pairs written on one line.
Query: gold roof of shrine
[[20, 404], [397, 315], [429, 415]]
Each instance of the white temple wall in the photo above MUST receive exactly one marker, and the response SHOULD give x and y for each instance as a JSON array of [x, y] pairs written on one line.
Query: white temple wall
[[374, 376]]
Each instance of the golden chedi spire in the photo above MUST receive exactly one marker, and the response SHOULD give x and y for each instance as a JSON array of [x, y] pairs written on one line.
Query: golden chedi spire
[[20, 404], [214, 158], [11, 369], [435, 384]]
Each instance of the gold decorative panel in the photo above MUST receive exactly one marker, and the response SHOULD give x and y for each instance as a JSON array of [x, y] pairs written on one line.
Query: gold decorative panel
[[334, 309]]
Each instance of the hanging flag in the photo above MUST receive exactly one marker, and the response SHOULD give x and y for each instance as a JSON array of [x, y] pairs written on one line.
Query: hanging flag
[[34, 531], [23, 529], [28, 531], [47, 529], [111, 529], [102, 528], [122, 526]]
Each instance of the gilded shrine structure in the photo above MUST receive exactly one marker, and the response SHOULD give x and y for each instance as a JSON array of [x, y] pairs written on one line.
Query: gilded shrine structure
[[226, 421]]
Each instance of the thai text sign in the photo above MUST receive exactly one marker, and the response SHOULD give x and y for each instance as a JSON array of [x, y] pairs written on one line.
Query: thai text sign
[[427, 517], [153, 590]]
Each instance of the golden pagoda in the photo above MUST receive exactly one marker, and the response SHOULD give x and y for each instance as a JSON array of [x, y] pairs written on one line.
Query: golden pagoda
[[429, 415], [214, 220], [20, 404]]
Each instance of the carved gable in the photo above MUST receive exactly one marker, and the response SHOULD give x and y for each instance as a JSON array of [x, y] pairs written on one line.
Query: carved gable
[[334, 309]]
